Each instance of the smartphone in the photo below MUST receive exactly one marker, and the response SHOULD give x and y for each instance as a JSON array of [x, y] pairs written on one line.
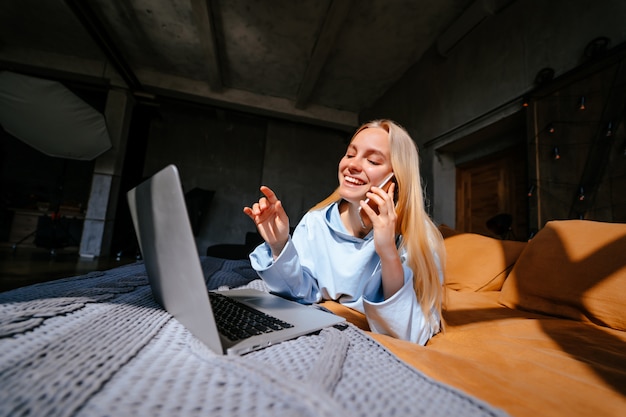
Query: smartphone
[[365, 220]]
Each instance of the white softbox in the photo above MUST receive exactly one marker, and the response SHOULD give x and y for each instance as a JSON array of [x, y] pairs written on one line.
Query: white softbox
[[47, 116]]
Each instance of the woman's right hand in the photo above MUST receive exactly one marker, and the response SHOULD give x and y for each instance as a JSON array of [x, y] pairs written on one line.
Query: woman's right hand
[[271, 220]]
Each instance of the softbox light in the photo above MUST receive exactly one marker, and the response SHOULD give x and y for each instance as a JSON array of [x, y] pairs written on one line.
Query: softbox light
[[47, 116]]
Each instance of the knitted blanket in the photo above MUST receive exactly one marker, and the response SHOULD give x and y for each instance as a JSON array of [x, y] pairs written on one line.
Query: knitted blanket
[[99, 345]]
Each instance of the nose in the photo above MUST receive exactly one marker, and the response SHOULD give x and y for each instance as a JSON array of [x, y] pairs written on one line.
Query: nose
[[355, 164]]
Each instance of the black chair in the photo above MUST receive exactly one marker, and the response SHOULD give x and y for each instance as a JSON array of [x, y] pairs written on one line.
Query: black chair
[[56, 232], [500, 225]]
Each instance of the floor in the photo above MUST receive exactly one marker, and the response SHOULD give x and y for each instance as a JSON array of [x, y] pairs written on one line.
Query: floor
[[28, 265]]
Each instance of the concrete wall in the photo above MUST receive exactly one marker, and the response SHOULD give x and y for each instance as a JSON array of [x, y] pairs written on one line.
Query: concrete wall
[[234, 155], [482, 79]]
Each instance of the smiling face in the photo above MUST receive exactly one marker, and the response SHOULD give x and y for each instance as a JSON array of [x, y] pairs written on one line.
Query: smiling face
[[366, 164]]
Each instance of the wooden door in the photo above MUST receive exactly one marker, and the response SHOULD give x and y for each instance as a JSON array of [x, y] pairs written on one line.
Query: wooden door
[[491, 186]]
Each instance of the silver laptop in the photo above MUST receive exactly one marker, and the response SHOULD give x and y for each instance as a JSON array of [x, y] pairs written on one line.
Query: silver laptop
[[169, 250]]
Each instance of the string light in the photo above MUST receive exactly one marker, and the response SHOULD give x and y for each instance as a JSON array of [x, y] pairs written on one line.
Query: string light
[[553, 190], [581, 200]]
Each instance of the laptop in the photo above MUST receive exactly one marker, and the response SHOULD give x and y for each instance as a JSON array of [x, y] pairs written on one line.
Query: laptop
[[170, 254]]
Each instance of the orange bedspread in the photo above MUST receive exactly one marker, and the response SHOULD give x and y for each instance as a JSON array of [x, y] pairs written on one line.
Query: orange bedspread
[[537, 328], [528, 365]]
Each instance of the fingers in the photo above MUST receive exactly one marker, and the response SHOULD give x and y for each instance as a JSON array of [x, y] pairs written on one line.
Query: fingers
[[271, 220], [390, 190], [267, 192], [253, 211], [266, 206], [383, 199], [383, 210]]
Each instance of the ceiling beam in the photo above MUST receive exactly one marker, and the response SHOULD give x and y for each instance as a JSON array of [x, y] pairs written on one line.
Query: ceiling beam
[[96, 29], [202, 11], [169, 85], [473, 16], [333, 23]]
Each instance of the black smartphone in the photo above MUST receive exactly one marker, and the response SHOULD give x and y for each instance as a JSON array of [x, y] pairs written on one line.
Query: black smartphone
[[385, 184]]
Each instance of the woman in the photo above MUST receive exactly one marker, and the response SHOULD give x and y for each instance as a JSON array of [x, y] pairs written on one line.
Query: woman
[[389, 268]]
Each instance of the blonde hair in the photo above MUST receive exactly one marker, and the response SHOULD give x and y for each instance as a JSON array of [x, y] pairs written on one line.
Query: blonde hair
[[420, 237]]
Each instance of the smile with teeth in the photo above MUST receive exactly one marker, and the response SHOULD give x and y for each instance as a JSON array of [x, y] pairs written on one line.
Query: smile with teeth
[[354, 181]]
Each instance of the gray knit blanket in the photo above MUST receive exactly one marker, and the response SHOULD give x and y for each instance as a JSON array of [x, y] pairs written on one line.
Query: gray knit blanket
[[99, 345]]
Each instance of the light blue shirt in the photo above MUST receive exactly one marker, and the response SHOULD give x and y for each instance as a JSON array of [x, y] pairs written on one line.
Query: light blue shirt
[[322, 261]]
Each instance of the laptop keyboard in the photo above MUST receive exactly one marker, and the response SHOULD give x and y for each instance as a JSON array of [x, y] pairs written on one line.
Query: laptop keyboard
[[238, 321]]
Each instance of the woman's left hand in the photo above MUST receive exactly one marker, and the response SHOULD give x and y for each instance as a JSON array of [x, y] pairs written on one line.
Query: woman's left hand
[[384, 223]]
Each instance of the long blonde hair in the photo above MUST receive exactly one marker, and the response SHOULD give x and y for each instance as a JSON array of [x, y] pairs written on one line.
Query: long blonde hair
[[420, 236]]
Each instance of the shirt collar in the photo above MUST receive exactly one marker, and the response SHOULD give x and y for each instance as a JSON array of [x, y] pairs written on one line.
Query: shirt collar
[[333, 221]]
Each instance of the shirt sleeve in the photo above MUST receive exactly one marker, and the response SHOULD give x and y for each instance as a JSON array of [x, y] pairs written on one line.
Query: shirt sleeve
[[285, 275], [399, 316]]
